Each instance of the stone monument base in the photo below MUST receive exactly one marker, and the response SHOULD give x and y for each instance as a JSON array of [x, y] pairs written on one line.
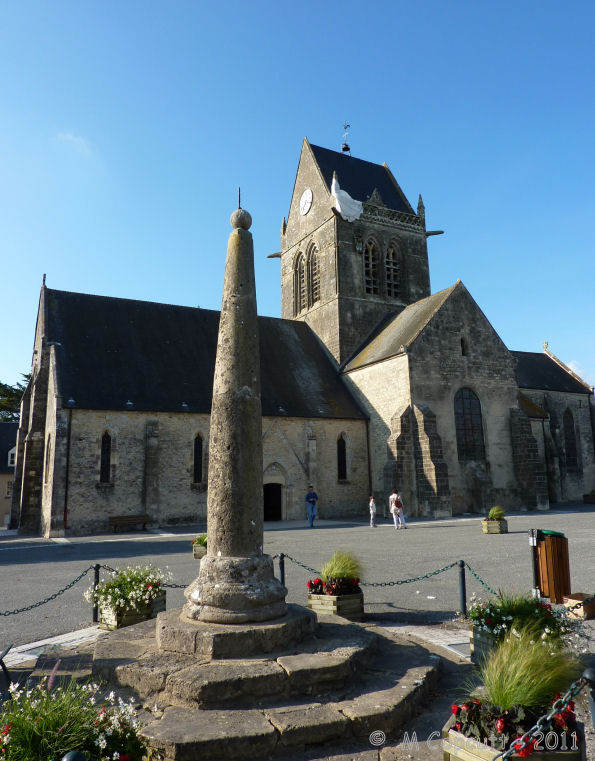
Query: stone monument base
[[176, 634], [340, 681]]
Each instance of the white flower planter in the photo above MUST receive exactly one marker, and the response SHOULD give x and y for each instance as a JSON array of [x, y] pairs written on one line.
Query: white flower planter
[[111, 618]]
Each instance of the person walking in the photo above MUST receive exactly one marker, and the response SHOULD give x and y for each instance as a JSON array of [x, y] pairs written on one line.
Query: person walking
[[372, 512], [311, 502], [395, 504]]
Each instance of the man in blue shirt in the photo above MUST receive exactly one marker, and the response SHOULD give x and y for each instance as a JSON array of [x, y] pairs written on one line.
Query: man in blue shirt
[[311, 500]]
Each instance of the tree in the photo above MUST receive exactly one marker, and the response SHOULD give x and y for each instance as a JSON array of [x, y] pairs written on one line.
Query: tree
[[10, 400]]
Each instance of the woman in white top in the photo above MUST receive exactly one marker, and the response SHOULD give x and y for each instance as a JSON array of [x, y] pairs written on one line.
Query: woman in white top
[[395, 504]]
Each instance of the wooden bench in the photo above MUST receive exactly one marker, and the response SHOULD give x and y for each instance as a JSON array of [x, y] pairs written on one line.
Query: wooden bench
[[125, 521]]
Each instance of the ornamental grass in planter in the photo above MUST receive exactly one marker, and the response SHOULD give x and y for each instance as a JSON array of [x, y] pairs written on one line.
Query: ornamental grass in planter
[[493, 620], [338, 591], [50, 719], [199, 546], [131, 595], [520, 682], [495, 523]]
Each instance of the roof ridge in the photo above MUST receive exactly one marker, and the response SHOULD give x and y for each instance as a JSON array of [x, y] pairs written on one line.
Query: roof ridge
[[127, 300], [566, 368], [445, 293]]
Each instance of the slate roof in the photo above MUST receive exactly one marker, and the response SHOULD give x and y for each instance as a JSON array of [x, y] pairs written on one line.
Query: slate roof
[[8, 438], [395, 332], [359, 178], [539, 370], [159, 356]]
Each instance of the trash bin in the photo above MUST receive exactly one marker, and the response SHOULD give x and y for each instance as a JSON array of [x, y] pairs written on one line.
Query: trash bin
[[553, 567]]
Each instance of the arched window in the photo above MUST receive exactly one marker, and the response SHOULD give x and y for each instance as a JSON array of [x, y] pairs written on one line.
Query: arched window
[[371, 267], [106, 458], [197, 469], [48, 454], [299, 285], [314, 278], [570, 441], [341, 458], [392, 271], [469, 426]]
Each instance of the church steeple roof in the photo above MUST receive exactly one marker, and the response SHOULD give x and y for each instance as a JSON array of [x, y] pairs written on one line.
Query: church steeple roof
[[360, 178]]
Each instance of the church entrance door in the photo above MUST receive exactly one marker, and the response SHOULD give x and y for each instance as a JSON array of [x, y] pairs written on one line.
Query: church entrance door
[[272, 502]]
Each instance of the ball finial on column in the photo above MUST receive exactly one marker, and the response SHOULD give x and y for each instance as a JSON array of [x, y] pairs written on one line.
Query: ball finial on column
[[241, 218]]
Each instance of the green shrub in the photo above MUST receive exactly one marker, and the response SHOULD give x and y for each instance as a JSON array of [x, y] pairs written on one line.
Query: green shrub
[[200, 539], [342, 565], [525, 670], [496, 513]]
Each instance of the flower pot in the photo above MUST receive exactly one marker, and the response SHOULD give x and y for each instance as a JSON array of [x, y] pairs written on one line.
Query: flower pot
[[199, 551], [110, 618], [482, 644], [585, 612], [494, 527], [457, 746], [347, 606]]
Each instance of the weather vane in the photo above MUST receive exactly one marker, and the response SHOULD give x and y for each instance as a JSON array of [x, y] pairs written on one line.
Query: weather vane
[[345, 145]]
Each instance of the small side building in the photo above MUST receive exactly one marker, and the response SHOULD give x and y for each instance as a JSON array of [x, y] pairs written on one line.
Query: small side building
[[8, 454]]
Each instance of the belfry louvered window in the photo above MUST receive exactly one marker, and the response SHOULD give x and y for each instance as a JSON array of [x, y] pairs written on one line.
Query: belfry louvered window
[[314, 277], [570, 441], [299, 285], [469, 426], [392, 271], [371, 267]]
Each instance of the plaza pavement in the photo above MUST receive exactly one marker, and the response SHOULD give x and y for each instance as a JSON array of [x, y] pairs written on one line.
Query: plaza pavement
[[33, 568], [423, 610]]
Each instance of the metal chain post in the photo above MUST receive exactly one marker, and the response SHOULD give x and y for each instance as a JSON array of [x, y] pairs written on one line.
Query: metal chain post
[[96, 568], [462, 589]]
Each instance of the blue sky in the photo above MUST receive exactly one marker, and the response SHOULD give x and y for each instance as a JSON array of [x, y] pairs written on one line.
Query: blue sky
[[126, 128]]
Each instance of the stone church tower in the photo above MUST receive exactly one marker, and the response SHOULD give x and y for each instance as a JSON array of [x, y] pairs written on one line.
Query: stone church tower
[[342, 272]]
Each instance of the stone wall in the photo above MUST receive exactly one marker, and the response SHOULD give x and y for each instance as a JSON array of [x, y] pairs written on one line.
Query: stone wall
[[152, 468], [460, 349], [27, 490], [382, 389], [567, 484], [529, 467]]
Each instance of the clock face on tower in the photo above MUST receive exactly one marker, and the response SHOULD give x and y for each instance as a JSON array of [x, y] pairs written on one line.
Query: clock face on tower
[[306, 201]]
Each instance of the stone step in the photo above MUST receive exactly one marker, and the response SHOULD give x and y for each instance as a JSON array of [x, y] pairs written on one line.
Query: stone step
[[327, 659], [182, 734]]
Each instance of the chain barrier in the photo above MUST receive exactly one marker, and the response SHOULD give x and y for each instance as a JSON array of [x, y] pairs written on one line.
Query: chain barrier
[[544, 722], [408, 581], [481, 581], [380, 583], [394, 583], [50, 598]]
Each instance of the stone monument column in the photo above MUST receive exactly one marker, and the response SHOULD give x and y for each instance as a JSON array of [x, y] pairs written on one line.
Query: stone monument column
[[236, 581]]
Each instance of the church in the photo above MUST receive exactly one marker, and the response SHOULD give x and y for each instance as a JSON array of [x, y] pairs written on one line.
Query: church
[[369, 382]]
